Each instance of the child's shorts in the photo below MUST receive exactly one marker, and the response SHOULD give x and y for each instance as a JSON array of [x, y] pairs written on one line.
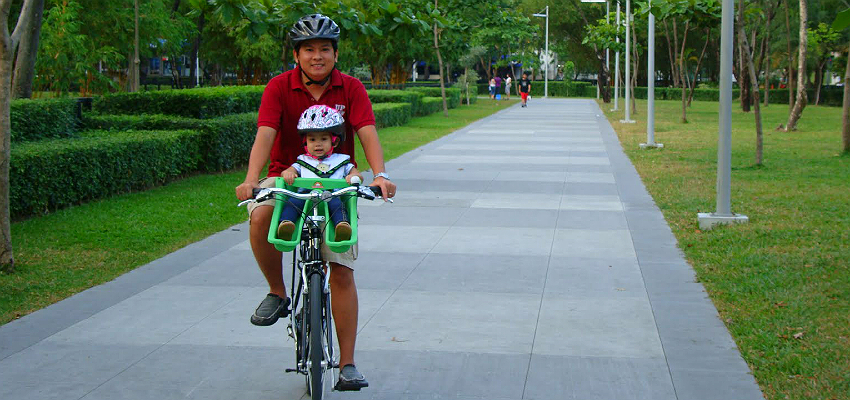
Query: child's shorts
[[347, 258]]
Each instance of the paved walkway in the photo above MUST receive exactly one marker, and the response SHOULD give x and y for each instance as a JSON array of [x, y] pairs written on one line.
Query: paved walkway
[[523, 259]]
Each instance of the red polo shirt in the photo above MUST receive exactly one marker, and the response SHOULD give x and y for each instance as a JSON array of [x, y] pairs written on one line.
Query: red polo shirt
[[285, 98]]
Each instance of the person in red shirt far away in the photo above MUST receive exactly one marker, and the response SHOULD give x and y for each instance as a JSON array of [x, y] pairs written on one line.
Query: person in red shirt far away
[[314, 81]]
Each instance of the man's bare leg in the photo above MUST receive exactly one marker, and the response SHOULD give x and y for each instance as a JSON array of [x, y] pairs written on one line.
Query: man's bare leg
[[268, 257], [345, 307]]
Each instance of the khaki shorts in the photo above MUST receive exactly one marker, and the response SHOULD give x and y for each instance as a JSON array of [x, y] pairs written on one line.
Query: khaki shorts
[[347, 258]]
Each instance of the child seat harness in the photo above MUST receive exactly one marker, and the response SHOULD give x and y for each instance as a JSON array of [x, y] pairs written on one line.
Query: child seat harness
[[320, 174]]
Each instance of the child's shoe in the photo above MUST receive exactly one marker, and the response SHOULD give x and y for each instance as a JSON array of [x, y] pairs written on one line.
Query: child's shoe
[[285, 230], [342, 232]]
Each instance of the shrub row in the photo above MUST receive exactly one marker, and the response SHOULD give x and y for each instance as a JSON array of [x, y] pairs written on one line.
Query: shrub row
[[391, 114], [397, 96], [431, 105], [43, 119], [452, 94], [829, 97], [226, 141], [57, 173], [193, 103]]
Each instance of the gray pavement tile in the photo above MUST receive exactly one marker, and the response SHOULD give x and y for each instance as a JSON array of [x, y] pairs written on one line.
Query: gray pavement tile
[[226, 269], [592, 220], [590, 202], [45, 390], [384, 270], [440, 375], [399, 239], [542, 176], [49, 364], [672, 282], [399, 214], [714, 385], [479, 273], [657, 252], [508, 218], [179, 371], [520, 201], [546, 189], [585, 378], [425, 198], [154, 316], [595, 278], [405, 173], [592, 244], [590, 189], [596, 327], [589, 168], [513, 241], [431, 321], [436, 185]]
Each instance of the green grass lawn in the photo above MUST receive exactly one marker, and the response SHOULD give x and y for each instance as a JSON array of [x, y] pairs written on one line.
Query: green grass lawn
[[74, 249], [782, 281]]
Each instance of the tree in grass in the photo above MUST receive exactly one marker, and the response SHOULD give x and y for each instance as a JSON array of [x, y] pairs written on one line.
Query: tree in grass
[[802, 98], [842, 21], [823, 42], [8, 46], [603, 35]]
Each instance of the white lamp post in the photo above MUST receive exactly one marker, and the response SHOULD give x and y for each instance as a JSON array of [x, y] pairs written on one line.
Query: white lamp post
[[617, 65], [724, 214], [628, 119], [650, 87], [546, 72]]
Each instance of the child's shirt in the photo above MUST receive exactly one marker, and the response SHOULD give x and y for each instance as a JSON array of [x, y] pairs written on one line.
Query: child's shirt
[[334, 166]]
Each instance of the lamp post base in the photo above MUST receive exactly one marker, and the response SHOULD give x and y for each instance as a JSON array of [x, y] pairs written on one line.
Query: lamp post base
[[652, 145], [627, 121], [707, 221]]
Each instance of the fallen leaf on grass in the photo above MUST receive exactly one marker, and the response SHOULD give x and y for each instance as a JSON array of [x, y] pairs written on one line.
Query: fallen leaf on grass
[[779, 304], [798, 335]]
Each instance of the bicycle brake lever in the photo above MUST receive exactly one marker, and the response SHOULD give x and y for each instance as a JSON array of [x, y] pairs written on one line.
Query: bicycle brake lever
[[244, 202]]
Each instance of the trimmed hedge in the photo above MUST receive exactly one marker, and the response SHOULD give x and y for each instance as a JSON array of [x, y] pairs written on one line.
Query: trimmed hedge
[[452, 94], [391, 114], [829, 97], [225, 143], [200, 103], [431, 105], [397, 96], [57, 173], [43, 119]]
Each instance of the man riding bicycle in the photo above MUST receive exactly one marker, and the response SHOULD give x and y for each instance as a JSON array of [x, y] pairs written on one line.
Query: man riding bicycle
[[314, 81]]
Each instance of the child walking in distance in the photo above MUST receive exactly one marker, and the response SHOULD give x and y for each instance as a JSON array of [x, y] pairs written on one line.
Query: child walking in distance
[[321, 129], [524, 88]]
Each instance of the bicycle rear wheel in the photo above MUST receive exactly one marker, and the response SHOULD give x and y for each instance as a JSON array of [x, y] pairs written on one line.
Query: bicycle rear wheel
[[316, 372]]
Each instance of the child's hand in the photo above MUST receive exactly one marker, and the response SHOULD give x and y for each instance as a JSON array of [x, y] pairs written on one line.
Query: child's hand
[[289, 176]]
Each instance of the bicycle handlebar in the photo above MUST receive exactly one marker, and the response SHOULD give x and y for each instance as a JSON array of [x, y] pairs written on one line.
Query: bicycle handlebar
[[366, 192]]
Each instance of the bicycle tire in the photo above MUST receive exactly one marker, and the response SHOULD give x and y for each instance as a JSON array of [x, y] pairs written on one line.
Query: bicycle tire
[[316, 353]]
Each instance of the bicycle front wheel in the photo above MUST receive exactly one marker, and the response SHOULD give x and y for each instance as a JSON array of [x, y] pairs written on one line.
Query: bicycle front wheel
[[316, 353]]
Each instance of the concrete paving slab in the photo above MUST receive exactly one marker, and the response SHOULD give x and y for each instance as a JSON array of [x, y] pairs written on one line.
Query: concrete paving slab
[[602, 378], [498, 274], [597, 327]]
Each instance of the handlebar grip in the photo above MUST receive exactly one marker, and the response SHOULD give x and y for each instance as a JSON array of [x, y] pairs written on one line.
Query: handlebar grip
[[376, 190], [255, 192]]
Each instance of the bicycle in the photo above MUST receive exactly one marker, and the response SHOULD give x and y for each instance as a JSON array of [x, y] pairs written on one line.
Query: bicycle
[[310, 325]]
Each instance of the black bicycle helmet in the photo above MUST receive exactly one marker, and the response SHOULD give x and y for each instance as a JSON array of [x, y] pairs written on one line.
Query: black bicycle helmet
[[314, 26]]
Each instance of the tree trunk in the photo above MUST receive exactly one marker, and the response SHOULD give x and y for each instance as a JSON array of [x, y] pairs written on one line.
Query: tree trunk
[[699, 63], [790, 74], [748, 56], [743, 74], [802, 98], [134, 63], [766, 49], [440, 63], [674, 74], [682, 71], [819, 81], [845, 113], [27, 50], [193, 74], [8, 44]]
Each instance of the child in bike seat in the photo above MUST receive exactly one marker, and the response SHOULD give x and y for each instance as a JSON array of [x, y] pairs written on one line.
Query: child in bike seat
[[322, 129]]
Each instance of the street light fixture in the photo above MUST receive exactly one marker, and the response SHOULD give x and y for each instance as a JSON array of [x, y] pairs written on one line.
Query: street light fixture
[[546, 72]]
